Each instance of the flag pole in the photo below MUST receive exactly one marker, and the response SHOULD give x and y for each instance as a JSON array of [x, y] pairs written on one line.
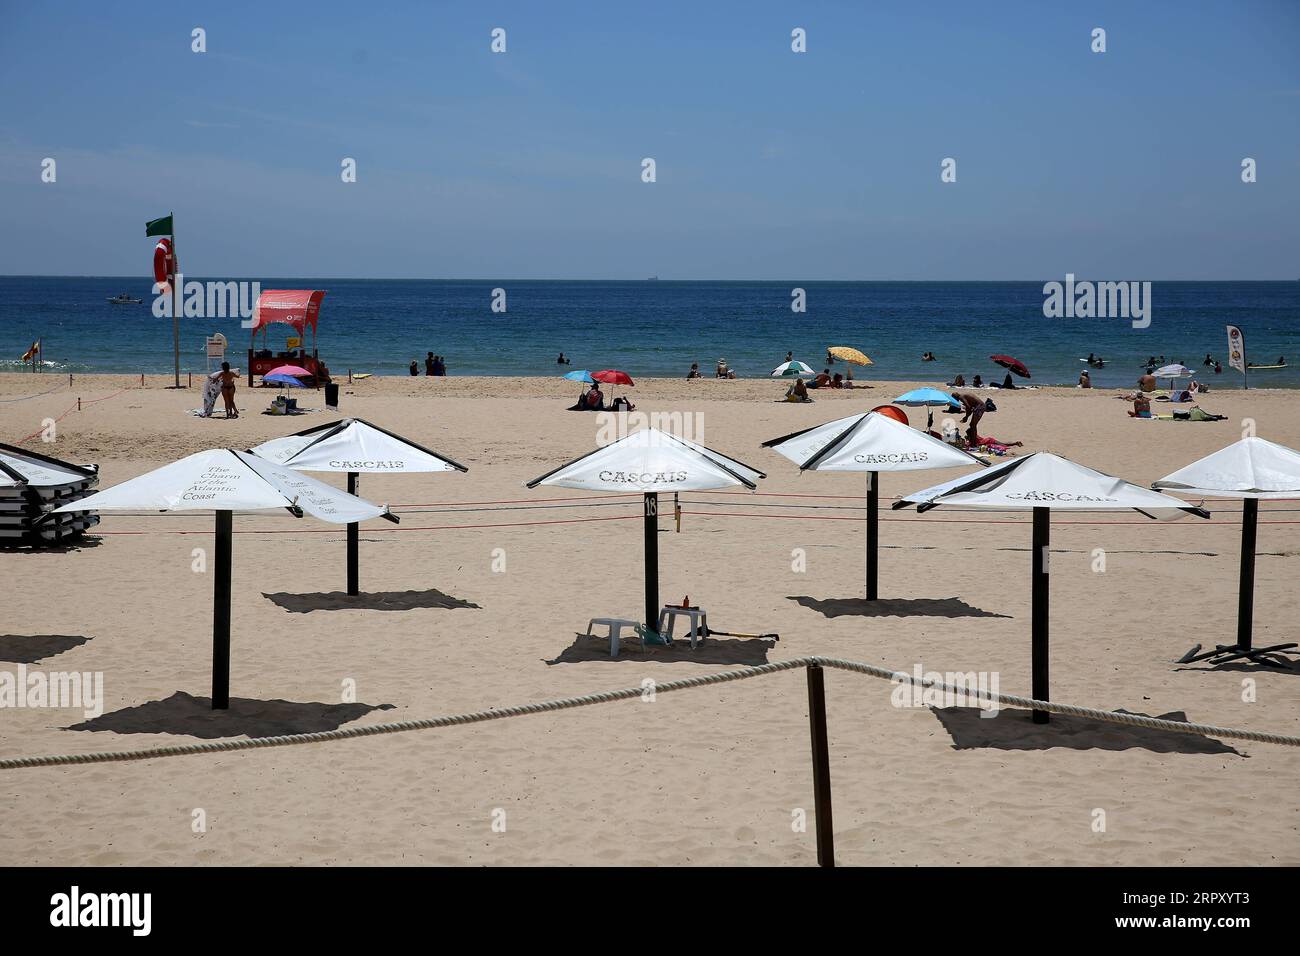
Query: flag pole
[[176, 301]]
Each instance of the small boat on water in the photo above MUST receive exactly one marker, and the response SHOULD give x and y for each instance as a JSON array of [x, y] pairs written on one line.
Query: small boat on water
[[124, 299]]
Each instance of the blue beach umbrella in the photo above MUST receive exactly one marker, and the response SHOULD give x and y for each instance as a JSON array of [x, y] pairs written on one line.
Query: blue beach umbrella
[[286, 380], [579, 375], [930, 398]]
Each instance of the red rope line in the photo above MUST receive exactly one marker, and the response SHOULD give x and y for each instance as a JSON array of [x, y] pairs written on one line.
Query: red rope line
[[73, 408]]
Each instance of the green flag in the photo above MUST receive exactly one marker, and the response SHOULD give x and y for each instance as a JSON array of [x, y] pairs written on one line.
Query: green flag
[[158, 227]]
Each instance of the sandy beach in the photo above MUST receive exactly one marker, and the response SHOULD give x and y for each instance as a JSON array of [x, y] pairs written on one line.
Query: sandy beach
[[478, 598]]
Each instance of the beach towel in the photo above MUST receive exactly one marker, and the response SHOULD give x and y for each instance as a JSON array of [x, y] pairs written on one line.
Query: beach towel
[[211, 390]]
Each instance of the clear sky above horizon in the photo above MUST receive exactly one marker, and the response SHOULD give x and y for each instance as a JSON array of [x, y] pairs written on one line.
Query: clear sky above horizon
[[770, 164]]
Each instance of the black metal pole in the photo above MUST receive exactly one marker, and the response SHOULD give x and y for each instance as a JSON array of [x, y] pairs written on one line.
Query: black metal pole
[[221, 614], [873, 532], [354, 574], [652, 560], [1039, 614], [1246, 589], [821, 764]]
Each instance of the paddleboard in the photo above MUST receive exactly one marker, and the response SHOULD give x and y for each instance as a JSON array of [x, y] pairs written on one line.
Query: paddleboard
[[1265, 366], [360, 375]]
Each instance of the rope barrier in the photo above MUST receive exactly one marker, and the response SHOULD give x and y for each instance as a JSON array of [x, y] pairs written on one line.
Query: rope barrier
[[627, 693], [72, 408]]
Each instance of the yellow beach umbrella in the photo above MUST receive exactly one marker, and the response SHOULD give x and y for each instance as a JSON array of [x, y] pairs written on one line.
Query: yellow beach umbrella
[[851, 355]]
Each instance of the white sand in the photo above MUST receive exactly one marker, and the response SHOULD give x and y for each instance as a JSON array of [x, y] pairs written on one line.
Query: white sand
[[697, 777]]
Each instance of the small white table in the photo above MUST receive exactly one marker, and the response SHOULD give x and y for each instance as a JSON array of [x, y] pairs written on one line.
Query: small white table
[[699, 621]]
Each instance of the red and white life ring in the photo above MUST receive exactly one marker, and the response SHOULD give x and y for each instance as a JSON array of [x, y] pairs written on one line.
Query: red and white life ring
[[164, 265]]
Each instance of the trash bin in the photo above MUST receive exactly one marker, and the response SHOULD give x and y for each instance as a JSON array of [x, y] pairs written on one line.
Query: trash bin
[[331, 395]]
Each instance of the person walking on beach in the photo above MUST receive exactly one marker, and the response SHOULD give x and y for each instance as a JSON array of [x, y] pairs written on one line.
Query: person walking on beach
[[975, 409], [228, 379]]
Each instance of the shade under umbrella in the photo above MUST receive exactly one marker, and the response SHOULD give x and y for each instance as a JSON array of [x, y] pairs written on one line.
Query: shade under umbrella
[[872, 443], [1250, 469], [791, 369], [1012, 364], [353, 446], [930, 398], [1040, 482], [225, 481], [651, 461], [848, 354]]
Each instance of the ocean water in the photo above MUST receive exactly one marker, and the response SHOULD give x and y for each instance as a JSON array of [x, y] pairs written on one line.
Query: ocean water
[[658, 328]]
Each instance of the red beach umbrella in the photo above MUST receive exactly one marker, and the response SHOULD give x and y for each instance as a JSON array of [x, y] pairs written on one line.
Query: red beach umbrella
[[612, 376], [1012, 364]]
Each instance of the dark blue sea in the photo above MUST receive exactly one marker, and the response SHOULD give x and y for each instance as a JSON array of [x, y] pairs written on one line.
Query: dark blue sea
[[658, 328]]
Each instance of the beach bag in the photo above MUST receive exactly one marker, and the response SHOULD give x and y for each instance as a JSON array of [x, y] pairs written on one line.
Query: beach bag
[[989, 406]]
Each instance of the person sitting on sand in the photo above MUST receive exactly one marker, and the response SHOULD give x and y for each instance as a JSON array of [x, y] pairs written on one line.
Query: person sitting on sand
[[621, 404], [1085, 381], [594, 400], [731, 373], [1007, 383], [797, 392], [977, 383], [695, 371], [1141, 407], [228, 379], [837, 381], [823, 379], [974, 408], [721, 370], [959, 381]]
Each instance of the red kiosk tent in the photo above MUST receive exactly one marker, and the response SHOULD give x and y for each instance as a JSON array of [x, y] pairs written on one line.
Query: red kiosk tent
[[299, 308]]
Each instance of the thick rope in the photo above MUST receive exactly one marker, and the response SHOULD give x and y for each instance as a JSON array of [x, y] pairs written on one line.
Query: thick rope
[[603, 697]]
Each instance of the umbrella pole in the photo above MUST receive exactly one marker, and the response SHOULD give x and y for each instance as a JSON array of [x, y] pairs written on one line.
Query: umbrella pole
[[652, 560], [1039, 592], [1246, 590], [873, 532], [354, 575], [221, 614]]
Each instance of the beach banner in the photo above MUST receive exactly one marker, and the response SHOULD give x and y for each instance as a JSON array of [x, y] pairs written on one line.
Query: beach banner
[[1236, 349], [158, 227]]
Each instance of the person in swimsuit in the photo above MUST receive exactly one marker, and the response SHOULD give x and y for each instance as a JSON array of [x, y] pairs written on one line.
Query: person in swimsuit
[[228, 379], [974, 408]]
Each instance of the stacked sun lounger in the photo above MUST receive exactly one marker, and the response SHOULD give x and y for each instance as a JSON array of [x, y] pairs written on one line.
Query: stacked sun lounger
[[33, 485]]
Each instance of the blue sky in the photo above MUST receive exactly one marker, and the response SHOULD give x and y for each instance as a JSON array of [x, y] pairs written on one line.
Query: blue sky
[[771, 164]]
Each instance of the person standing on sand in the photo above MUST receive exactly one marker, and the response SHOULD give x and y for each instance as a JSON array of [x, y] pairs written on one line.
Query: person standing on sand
[[228, 379], [975, 409], [428, 363]]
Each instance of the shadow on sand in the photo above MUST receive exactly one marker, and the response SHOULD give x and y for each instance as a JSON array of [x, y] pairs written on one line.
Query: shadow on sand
[[1282, 664], [893, 607], [30, 648], [1014, 729], [366, 601], [713, 650], [183, 713]]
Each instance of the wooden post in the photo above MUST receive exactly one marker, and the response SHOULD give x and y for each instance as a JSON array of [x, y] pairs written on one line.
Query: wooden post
[[354, 576], [1039, 614], [873, 533], [652, 560], [1246, 588], [221, 613], [176, 302], [821, 766]]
